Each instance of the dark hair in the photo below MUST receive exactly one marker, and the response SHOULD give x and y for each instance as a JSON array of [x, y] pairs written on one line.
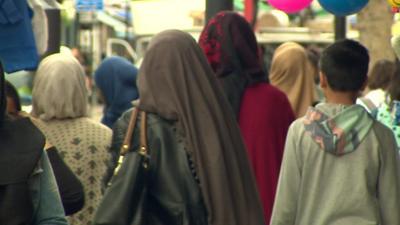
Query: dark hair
[[345, 65], [393, 89], [12, 93], [381, 74]]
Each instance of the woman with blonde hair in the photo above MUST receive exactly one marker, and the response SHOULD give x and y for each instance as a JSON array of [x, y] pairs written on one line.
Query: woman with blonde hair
[[60, 103], [292, 73]]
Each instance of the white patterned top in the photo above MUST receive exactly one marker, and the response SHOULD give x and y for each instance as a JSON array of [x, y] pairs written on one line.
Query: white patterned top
[[84, 146]]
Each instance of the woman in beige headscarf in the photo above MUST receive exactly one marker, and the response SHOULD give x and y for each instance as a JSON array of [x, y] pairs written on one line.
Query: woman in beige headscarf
[[60, 105], [292, 73]]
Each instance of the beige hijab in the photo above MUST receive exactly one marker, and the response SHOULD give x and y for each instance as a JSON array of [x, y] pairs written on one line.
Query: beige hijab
[[59, 89], [176, 82], [292, 73]]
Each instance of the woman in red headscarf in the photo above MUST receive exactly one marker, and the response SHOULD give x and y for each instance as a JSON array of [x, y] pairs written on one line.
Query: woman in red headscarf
[[264, 112]]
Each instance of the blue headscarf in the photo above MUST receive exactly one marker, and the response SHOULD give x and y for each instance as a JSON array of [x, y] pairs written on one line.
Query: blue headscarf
[[116, 79]]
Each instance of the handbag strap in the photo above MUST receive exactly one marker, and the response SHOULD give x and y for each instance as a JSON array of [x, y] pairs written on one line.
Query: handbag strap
[[143, 141], [128, 136], [131, 128], [143, 134]]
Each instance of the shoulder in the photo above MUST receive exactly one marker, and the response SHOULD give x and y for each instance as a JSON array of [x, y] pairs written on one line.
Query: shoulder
[[155, 124], [266, 92], [298, 125], [157, 128], [382, 130], [152, 119], [275, 91], [94, 125], [384, 135], [296, 130]]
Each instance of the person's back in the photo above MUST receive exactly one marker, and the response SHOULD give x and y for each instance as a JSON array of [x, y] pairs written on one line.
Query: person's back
[[340, 166], [174, 186], [83, 144], [263, 112], [264, 119], [60, 104], [31, 184], [196, 152], [28, 192]]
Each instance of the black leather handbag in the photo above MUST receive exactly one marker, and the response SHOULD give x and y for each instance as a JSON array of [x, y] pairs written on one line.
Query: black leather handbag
[[124, 202]]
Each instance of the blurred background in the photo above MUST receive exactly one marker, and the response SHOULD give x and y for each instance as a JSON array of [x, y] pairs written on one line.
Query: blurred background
[[95, 29]]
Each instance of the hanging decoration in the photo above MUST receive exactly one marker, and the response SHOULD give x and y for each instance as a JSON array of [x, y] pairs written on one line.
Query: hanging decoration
[[343, 7], [290, 6]]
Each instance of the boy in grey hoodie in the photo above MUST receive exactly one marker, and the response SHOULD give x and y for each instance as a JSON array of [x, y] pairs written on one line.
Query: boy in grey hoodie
[[340, 166]]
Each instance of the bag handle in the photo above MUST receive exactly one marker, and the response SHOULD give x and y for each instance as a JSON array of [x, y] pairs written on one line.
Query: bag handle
[[131, 128], [143, 134], [128, 136]]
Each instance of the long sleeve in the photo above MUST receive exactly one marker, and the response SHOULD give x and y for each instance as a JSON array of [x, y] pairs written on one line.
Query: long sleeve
[[49, 209], [389, 180], [284, 212]]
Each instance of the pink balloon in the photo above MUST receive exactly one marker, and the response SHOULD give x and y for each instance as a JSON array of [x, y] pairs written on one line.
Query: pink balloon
[[290, 6]]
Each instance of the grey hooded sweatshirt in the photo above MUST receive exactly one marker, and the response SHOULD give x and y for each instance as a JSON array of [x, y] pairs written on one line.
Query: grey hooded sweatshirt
[[340, 167]]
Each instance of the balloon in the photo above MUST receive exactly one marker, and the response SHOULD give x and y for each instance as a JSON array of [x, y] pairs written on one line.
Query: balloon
[[290, 6], [394, 3], [343, 7]]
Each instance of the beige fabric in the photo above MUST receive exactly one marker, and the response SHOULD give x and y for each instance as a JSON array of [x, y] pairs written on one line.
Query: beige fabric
[[83, 144], [176, 82], [292, 73], [59, 89]]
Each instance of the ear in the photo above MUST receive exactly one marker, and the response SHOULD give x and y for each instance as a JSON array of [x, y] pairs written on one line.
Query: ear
[[323, 82]]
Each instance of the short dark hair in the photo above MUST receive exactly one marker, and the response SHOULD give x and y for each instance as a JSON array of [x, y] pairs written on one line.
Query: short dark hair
[[345, 65]]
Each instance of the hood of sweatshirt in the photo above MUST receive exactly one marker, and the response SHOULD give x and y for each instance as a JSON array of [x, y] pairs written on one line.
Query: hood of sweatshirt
[[337, 129]]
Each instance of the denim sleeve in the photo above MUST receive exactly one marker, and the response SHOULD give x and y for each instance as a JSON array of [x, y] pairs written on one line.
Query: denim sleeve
[[46, 199]]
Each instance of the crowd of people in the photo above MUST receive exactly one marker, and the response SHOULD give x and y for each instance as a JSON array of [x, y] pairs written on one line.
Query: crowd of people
[[202, 134]]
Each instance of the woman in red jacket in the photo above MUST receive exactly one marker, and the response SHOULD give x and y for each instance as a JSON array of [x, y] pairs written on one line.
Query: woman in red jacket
[[264, 112]]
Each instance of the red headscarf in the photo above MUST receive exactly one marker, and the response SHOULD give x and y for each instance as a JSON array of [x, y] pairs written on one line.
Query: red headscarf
[[230, 45], [232, 51], [263, 111]]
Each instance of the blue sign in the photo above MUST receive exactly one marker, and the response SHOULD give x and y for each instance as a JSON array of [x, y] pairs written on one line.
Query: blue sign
[[89, 5]]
